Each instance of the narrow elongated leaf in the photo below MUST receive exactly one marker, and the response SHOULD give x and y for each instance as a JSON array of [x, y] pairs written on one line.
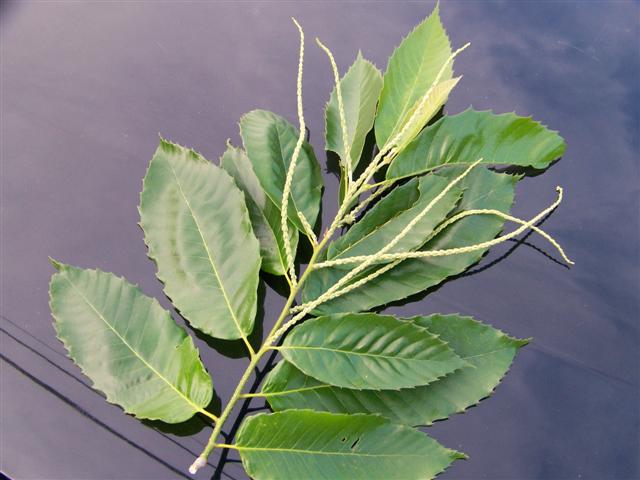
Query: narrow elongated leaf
[[488, 352], [412, 69], [302, 444], [360, 88], [380, 225], [198, 232], [269, 141], [368, 351], [482, 189], [504, 139], [264, 214], [128, 345]]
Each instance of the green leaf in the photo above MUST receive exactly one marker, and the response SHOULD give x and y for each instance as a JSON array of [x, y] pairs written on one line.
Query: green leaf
[[128, 345], [424, 112], [264, 214], [482, 189], [461, 139], [360, 88], [269, 141], [488, 352], [392, 214], [392, 205], [198, 232], [302, 444], [412, 69], [368, 351], [380, 225]]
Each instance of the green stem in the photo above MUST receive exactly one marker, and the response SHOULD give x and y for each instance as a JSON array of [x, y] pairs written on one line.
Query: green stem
[[353, 192], [237, 394], [208, 414]]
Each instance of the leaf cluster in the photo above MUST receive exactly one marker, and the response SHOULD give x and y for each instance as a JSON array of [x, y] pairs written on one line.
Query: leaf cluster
[[351, 384]]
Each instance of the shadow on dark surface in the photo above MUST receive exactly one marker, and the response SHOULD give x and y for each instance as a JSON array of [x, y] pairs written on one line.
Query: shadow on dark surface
[[470, 271], [368, 152], [237, 348], [244, 410], [192, 426], [277, 283], [529, 172]]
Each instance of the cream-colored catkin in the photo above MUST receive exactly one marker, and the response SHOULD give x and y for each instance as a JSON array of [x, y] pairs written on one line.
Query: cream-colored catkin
[[330, 294], [353, 214], [308, 228], [461, 250], [354, 285], [343, 118], [399, 257], [507, 217], [449, 251], [292, 165]]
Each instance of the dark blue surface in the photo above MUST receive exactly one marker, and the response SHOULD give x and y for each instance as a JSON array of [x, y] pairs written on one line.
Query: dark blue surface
[[86, 87]]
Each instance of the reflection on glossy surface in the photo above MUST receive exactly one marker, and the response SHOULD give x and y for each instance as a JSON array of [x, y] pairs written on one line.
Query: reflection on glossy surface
[[86, 87]]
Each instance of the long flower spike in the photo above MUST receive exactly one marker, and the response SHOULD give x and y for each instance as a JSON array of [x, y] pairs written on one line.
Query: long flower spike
[[330, 293], [399, 257], [460, 250], [292, 165], [343, 119]]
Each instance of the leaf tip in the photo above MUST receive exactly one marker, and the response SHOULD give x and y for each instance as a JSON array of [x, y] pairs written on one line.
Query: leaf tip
[[460, 455], [56, 264], [521, 342]]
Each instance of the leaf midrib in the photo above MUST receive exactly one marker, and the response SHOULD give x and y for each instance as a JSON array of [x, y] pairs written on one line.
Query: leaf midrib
[[320, 452], [124, 341], [347, 352], [318, 387], [295, 390]]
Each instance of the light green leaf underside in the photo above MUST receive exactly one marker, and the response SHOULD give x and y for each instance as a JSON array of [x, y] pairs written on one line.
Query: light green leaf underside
[[264, 214], [379, 226], [360, 88], [412, 69], [504, 139], [482, 189], [302, 444], [368, 351], [198, 232], [128, 345], [488, 352], [424, 111], [269, 141]]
